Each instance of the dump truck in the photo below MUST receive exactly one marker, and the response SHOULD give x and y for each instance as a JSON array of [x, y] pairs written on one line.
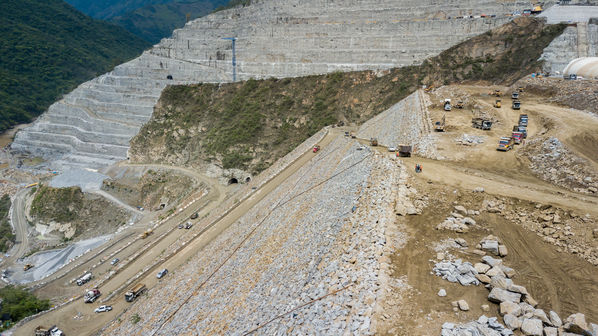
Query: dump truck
[[517, 137], [447, 104], [537, 9], [91, 295], [523, 119], [439, 125], [460, 104], [505, 144], [316, 148], [146, 233], [481, 123], [515, 95], [374, 142], [52, 331], [134, 292], [404, 151], [516, 105], [497, 103], [84, 279], [27, 267]]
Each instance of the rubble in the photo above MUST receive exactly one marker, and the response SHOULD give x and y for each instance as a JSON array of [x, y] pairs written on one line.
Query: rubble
[[457, 271], [470, 140], [488, 326]]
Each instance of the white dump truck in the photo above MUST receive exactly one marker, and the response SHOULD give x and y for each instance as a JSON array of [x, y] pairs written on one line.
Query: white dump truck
[[84, 279]]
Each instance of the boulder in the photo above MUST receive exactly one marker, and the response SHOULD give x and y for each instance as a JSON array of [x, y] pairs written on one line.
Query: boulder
[[481, 268], [485, 308], [555, 320], [550, 331], [499, 295], [594, 329], [502, 250], [461, 209], [512, 322], [490, 246], [501, 282], [491, 261], [510, 308], [461, 242], [541, 315], [495, 271], [442, 292], [532, 327], [483, 278], [576, 323], [463, 305], [509, 272], [468, 221], [527, 309], [530, 300], [517, 289]]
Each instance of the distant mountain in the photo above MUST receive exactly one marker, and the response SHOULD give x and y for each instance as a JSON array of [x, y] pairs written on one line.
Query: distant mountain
[[154, 22], [47, 48]]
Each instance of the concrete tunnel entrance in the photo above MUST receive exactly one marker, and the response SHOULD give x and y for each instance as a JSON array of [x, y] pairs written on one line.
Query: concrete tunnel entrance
[[233, 181]]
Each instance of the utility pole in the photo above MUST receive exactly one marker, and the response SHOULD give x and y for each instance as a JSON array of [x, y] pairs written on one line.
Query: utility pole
[[234, 57]]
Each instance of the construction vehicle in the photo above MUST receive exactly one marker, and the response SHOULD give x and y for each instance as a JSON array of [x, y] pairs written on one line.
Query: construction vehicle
[[91, 295], [505, 144], [537, 9], [27, 267], [439, 125], [52, 331], [194, 215], [134, 292], [31, 185], [515, 95], [146, 233], [522, 129], [374, 142], [447, 104], [523, 120], [188, 225], [520, 89], [526, 12], [496, 93], [516, 105], [84, 279], [404, 151], [497, 103], [517, 137], [316, 148], [460, 104], [352, 135], [429, 88], [481, 123]]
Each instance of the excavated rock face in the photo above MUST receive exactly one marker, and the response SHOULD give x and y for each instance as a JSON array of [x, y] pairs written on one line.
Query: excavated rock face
[[92, 125]]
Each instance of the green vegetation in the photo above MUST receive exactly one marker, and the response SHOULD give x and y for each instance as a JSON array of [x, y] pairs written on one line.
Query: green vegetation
[[153, 22], [7, 238], [251, 124], [47, 48], [57, 204], [107, 9], [135, 319], [235, 3], [18, 303]]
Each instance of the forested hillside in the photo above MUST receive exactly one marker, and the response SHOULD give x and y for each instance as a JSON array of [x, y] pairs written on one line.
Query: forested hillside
[[47, 48]]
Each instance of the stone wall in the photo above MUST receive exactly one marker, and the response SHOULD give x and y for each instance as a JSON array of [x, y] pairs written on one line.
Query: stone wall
[[92, 125]]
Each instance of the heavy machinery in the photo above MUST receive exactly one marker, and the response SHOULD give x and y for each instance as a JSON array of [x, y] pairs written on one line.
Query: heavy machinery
[[447, 104], [460, 104], [84, 279], [515, 95], [505, 144], [439, 125], [429, 88], [497, 103], [516, 105], [27, 267], [481, 123], [537, 9], [134, 292], [404, 151], [91, 295], [194, 216], [523, 120], [146, 233], [374, 142], [52, 331], [522, 129], [316, 148], [520, 89], [496, 93], [517, 137]]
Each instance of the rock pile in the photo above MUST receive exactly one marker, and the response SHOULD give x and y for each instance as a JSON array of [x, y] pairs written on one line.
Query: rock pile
[[552, 161], [579, 94], [457, 271], [492, 244], [470, 140], [458, 220], [487, 326]]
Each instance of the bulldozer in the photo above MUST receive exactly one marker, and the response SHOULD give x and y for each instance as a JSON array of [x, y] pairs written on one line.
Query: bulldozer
[[27, 267], [497, 103], [374, 142], [459, 104], [537, 9]]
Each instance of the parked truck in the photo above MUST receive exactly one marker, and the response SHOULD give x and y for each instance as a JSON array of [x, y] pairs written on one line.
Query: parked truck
[[52, 331], [91, 295], [481, 123], [84, 279], [447, 104], [505, 144], [134, 292], [516, 105], [515, 95], [523, 119], [404, 150]]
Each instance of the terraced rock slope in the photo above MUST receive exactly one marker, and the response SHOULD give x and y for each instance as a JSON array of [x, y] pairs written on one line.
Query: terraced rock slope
[[92, 125]]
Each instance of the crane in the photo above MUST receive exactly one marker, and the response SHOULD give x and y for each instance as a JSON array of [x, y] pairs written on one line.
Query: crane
[[233, 39]]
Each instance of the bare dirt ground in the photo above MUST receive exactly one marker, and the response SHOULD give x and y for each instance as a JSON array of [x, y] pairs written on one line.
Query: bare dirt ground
[[559, 279]]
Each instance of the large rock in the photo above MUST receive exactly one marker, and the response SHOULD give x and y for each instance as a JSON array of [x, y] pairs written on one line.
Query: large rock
[[463, 305], [512, 322], [501, 282], [532, 327], [555, 320], [490, 246], [510, 308], [491, 261], [499, 295], [576, 323], [550, 331], [541, 315], [481, 268]]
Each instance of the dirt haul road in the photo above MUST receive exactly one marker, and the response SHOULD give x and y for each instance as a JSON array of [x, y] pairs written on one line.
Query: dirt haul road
[[78, 318]]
